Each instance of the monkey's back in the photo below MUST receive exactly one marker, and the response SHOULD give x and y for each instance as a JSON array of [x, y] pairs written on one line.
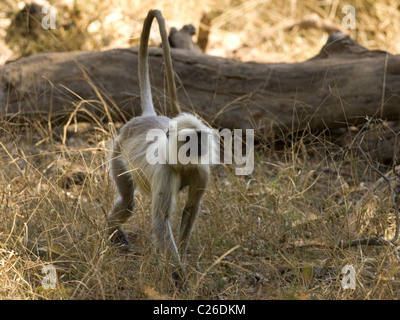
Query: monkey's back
[[133, 147]]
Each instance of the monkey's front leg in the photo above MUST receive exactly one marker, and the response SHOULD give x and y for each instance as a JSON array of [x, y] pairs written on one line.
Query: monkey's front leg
[[197, 187]]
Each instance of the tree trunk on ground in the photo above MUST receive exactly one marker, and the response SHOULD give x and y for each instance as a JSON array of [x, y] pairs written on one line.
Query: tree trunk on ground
[[341, 85]]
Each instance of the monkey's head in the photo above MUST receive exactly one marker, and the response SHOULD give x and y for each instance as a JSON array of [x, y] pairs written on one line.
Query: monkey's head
[[191, 139]]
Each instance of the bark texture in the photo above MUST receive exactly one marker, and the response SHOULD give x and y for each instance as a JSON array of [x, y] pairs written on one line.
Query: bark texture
[[342, 84]]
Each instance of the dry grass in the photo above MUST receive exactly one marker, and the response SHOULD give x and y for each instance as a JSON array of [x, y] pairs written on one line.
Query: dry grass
[[271, 235]]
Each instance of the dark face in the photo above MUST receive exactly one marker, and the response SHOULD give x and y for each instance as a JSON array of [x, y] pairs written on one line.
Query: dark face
[[193, 139], [199, 143]]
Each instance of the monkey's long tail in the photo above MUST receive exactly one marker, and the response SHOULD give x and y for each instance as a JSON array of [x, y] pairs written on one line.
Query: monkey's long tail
[[144, 81]]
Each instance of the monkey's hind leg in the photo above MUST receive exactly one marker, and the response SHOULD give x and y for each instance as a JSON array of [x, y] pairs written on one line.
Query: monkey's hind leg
[[163, 207], [125, 203]]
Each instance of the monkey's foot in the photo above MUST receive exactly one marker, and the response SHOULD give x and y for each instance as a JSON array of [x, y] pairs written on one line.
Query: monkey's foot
[[180, 282], [120, 240]]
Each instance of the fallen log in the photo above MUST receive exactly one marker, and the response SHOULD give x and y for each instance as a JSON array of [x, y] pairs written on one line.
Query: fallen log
[[341, 85]]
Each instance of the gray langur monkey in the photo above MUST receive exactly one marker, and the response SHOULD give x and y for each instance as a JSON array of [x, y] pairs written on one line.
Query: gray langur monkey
[[130, 169]]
